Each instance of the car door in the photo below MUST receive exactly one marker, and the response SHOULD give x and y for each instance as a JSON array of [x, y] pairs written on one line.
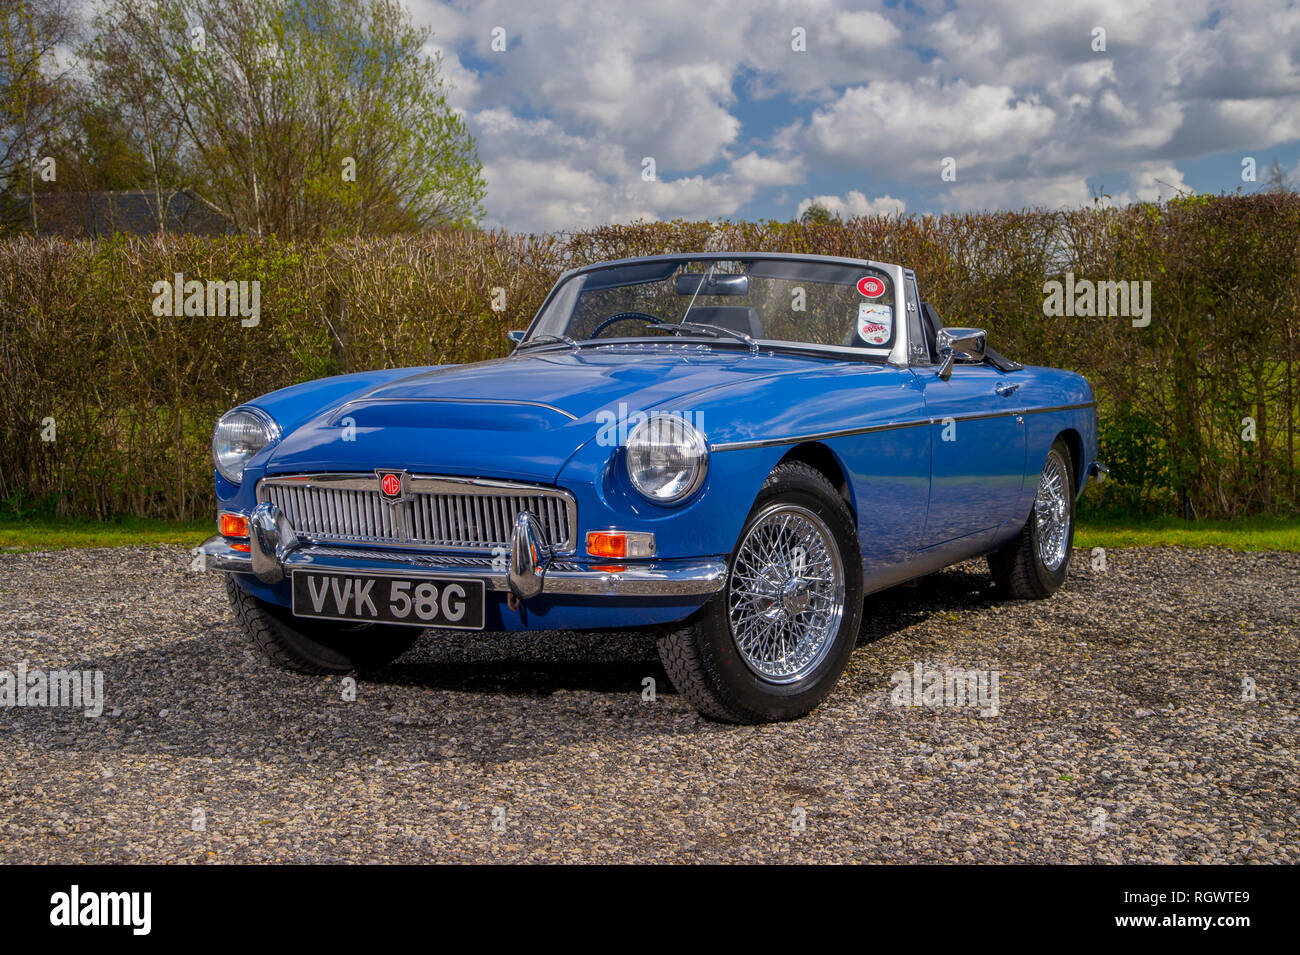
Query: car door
[[977, 444], [889, 464]]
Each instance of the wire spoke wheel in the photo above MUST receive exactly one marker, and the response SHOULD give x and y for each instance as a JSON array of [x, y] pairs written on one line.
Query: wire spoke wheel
[[1052, 512], [772, 643], [786, 595]]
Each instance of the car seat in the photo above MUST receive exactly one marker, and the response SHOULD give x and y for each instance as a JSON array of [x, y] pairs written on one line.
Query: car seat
[[738, 318]]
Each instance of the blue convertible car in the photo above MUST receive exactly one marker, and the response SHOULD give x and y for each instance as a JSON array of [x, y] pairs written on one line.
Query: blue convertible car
[[733, 448]]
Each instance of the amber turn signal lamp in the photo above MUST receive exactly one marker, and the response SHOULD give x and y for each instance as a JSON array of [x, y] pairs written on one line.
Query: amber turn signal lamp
[[606, 544], [620, 544], [233, 525]]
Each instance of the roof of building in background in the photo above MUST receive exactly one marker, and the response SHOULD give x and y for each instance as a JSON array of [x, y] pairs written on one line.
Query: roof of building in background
[[134, 212]]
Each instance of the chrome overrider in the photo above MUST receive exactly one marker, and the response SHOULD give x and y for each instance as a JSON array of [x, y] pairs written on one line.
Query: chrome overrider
[[275, 550], [529, 556]]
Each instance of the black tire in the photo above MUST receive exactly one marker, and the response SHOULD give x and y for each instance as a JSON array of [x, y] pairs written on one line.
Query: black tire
[[315, 646], [1018, 568], [702, 657]]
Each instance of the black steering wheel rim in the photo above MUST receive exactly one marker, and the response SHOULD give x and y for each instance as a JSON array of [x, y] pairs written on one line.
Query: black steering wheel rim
[[624, 316]]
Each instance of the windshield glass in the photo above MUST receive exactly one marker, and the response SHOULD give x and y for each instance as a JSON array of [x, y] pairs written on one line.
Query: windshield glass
[[792, 301]]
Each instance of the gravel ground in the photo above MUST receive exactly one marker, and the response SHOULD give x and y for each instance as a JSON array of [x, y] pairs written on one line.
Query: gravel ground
[[1121, 733]]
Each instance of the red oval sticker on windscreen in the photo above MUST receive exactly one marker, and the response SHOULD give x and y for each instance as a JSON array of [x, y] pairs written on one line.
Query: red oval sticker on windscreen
[[871, 287]]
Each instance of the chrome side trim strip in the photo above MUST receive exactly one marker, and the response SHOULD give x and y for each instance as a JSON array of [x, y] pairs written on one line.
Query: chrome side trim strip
[[798, 439], [920, 422]]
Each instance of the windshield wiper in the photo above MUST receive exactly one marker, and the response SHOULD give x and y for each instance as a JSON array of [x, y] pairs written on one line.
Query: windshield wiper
[[548, 340], [706, 327], [696, 294], [717, 329]]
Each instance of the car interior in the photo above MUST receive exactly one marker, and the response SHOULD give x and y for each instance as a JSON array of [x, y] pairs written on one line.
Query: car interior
[[930, 326], [738, 318], [744, 319]]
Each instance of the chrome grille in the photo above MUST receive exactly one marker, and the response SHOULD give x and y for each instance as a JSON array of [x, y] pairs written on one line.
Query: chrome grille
[[440, 513]]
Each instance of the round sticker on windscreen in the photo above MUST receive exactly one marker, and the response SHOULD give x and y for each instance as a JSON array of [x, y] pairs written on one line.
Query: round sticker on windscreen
[[875, 323], [871, 287]]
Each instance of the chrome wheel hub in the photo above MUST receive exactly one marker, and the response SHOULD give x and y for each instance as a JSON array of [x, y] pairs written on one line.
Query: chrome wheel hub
[[786, 594], [1052, 513]]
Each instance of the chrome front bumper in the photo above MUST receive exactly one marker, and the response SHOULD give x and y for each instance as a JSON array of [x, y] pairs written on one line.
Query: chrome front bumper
[[527, 571]]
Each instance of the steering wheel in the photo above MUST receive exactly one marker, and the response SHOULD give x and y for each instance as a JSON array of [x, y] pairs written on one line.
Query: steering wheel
[[623, 317]]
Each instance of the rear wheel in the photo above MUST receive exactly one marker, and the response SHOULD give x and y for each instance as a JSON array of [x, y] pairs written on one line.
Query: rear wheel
[[1033, 565], [315, 646], [772, 644]]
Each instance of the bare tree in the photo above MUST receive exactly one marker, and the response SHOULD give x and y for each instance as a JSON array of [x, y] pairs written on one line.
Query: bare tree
[[31, 32], [296, 117], [128, 77], [1277, 179]]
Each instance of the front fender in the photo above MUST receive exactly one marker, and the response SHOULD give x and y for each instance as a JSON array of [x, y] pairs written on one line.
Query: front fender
[[706, 525], [291, 408], [859, 415]]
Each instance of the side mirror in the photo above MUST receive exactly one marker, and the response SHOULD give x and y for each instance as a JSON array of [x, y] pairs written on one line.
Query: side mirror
[[954, 343], [516, 336]]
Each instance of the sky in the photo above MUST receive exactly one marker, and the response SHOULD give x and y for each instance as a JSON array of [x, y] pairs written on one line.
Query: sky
[[609, 111]]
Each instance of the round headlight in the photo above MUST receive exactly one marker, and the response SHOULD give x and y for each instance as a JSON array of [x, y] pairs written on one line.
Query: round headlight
[[666, 458], [239, 435]]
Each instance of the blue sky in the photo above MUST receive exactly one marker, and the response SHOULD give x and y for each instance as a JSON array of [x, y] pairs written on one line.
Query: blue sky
[[753, 110]]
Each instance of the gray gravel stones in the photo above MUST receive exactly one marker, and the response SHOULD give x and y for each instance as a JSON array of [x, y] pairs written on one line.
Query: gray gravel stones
[[1121, 733]]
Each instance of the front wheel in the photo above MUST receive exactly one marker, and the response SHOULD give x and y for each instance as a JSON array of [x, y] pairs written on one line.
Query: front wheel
[[315, 646], [1033, 565], [772, 644]]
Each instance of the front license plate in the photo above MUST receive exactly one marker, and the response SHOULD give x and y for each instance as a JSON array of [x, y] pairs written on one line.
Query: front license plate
[[413, 601]]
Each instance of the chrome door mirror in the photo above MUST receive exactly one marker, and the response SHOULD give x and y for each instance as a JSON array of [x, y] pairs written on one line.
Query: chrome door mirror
[[516, 336], [953, 343]]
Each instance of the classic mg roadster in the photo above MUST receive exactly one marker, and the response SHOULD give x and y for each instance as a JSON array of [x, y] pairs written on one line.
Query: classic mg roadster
[[731, 448]]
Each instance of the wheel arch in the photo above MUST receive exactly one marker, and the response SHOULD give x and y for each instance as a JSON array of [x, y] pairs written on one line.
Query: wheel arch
[[818, 456], [1074, 444]]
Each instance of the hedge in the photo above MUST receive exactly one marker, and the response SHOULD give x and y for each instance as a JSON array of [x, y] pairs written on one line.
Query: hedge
[[1197, 408]]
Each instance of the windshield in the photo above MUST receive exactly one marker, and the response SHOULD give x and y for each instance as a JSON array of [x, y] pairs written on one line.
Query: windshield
[[779, 301]]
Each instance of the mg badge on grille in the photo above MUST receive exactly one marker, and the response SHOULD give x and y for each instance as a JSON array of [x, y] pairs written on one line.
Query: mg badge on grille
[[393, 486]]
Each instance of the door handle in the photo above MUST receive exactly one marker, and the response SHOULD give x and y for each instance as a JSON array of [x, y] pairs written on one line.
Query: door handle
[[1007, 388]]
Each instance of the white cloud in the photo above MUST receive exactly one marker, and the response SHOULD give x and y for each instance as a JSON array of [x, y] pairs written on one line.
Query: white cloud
[[865, 31], [1147, 182], [1051, 192], [543, 178], [464, 82], [903, 130], [854, 204], [1153, 182], [768, 171], [656, 78], [1013, 91], [551, 195]]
